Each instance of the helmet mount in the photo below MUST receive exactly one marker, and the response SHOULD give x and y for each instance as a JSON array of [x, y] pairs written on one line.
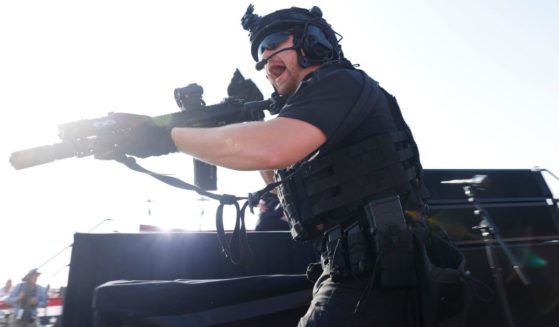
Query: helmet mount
[[313, 38]]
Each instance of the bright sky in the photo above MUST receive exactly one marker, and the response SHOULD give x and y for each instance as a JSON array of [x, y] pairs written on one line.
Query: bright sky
[[477, 82]]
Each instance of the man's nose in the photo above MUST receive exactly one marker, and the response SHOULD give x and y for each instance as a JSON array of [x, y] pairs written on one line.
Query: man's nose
[[266, 53]]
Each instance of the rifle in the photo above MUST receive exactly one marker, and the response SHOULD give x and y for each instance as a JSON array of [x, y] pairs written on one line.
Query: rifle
[[99, 136], [88, 137]]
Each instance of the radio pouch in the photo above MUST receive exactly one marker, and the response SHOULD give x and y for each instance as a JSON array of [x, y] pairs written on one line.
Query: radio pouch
[[393, 243]]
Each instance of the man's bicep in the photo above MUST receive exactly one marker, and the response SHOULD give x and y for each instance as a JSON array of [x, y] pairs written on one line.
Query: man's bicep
[[294, 139]]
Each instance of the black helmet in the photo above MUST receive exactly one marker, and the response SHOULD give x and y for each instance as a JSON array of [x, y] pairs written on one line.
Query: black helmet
[[312, 34]]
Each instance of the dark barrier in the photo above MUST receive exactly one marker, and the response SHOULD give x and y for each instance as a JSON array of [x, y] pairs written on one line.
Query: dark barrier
[[523, 211], [99, 258], [517, 222], [502, 185], [518, 200], [534, 305], [254, 301]]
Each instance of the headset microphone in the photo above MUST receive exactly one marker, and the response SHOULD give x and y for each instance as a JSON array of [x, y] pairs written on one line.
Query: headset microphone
[[260, 65]]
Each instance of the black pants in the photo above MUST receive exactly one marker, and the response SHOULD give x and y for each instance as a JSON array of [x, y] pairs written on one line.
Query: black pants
[[334, 304]]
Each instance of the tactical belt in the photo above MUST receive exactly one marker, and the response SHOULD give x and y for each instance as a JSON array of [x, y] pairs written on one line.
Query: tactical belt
[[348, 252], [378, 241]]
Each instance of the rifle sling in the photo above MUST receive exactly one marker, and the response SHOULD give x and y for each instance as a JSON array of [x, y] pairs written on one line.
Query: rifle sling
[[236, 248]]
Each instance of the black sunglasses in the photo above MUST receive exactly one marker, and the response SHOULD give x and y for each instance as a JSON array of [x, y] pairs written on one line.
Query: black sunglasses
[[271, 41]]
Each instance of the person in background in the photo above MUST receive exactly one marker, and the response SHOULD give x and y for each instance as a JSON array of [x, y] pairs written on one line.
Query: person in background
[[25, 298], [4, 291]]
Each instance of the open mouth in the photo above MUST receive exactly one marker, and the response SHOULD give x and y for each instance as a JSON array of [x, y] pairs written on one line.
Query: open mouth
[[276, 70]]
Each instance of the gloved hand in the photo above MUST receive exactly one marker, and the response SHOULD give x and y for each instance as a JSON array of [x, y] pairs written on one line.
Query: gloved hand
[[140, 136]]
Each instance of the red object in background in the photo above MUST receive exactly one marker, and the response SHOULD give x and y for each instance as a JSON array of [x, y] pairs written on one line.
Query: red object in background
[[52, 302], [4, 305], [55, 301]]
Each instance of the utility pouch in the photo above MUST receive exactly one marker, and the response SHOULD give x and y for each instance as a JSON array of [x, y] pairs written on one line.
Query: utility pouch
[[446, 267], [314, 271], [392, 242], [359, 250]]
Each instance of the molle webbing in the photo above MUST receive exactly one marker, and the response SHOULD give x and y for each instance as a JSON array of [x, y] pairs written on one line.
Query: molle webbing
[[334, 183], [378, 164]]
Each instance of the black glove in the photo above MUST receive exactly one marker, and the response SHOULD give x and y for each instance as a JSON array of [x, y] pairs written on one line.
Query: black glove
[[271, 199], [138, 136]]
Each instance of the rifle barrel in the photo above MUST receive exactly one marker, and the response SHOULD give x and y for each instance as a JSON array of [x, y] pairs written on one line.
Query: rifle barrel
[[42, 155]]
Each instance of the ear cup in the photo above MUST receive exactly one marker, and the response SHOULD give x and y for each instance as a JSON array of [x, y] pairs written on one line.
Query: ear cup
[[315, 44]]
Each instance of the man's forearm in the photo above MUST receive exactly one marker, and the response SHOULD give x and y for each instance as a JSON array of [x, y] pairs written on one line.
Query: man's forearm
[[262, 145], [229, 146]]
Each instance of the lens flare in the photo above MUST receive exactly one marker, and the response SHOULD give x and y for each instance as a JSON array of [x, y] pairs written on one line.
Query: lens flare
[[534, 261]]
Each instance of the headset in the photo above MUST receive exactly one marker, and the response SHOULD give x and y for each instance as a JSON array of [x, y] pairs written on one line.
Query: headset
[[315, 46], [314, 39]]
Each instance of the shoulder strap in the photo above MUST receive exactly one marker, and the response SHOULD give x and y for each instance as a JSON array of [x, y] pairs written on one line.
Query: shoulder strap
[[236, 248], [356, 115]]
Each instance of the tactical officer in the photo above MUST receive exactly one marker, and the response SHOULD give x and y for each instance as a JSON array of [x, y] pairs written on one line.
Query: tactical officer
[[349, 174]]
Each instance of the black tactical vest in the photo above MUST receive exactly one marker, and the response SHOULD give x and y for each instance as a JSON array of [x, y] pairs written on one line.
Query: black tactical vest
[[333, 187]]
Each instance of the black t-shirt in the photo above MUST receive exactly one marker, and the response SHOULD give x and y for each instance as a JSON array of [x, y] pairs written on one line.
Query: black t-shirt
[[326, 96]]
